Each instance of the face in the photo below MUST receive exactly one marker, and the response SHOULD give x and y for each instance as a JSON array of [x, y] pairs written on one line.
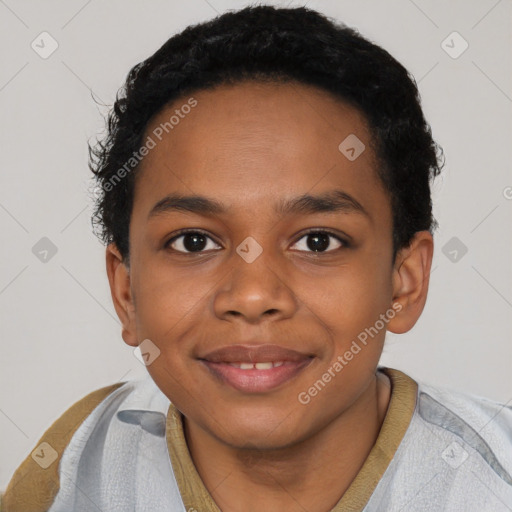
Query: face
[[285, 262]]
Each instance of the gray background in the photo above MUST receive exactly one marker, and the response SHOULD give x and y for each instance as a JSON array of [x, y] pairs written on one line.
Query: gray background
[[60, 337]]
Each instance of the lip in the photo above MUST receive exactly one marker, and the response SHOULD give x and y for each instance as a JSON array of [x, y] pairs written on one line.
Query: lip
[[219, 363], [254, 354]]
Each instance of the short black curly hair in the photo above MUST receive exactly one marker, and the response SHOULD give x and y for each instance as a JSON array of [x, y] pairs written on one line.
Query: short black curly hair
[[265, 43]]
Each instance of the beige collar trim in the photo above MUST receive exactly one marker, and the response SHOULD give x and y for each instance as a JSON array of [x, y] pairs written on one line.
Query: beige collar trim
[[399, 414]]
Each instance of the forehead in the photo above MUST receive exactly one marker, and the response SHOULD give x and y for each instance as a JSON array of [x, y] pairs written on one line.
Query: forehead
[[258, 141]]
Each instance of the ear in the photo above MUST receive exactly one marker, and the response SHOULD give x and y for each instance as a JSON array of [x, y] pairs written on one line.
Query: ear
[[120, 288], [411, 274]]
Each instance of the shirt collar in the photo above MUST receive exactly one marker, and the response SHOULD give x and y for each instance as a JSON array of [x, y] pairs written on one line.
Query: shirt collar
[[400, 411], [146, 405]]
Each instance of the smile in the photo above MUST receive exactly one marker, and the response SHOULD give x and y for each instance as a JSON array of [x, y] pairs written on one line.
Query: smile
[[256, 377], [255, 368], [258, 366]]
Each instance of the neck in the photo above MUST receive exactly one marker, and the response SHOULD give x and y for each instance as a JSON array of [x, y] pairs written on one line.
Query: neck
[[310, 475]]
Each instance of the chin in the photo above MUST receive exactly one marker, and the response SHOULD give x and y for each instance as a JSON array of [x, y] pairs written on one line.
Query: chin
[[251, 440], [263, 431]]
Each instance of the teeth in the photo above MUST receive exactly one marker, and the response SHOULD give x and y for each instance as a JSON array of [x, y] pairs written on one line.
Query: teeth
[[263, 366], [258, 366]]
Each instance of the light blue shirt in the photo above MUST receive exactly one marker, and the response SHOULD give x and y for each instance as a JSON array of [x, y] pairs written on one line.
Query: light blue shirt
[[455, 456]]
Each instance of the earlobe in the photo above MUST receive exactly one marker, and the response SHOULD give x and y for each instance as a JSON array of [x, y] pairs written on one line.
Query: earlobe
[[120, 289], [411, 274]]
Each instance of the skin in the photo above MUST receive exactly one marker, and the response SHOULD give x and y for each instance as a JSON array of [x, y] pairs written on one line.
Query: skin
[[249, 146]]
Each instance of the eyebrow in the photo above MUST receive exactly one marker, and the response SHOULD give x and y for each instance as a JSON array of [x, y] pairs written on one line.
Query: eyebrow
[[332, 201]]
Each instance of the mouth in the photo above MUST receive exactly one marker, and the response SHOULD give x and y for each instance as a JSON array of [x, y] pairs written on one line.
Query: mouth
[[255, 369]]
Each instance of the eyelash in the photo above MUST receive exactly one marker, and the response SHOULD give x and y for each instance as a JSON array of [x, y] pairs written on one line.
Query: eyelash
[[344, 242]]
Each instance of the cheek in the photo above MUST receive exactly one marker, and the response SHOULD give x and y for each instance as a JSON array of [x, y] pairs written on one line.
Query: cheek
[[168, 299], [352, 299]]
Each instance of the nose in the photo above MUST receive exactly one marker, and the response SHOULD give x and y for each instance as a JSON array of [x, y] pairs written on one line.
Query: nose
[[255, 292]]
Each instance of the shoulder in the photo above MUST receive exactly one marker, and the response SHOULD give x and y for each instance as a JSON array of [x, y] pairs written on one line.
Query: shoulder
[[35, 483], [451, 408], [475, 435], [456, 455]]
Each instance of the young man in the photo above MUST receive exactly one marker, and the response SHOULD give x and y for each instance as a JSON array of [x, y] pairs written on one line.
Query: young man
[[267, 213]]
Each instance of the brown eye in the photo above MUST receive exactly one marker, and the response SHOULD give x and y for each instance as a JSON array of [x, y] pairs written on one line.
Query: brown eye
[[320, 241], [191, 242]]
